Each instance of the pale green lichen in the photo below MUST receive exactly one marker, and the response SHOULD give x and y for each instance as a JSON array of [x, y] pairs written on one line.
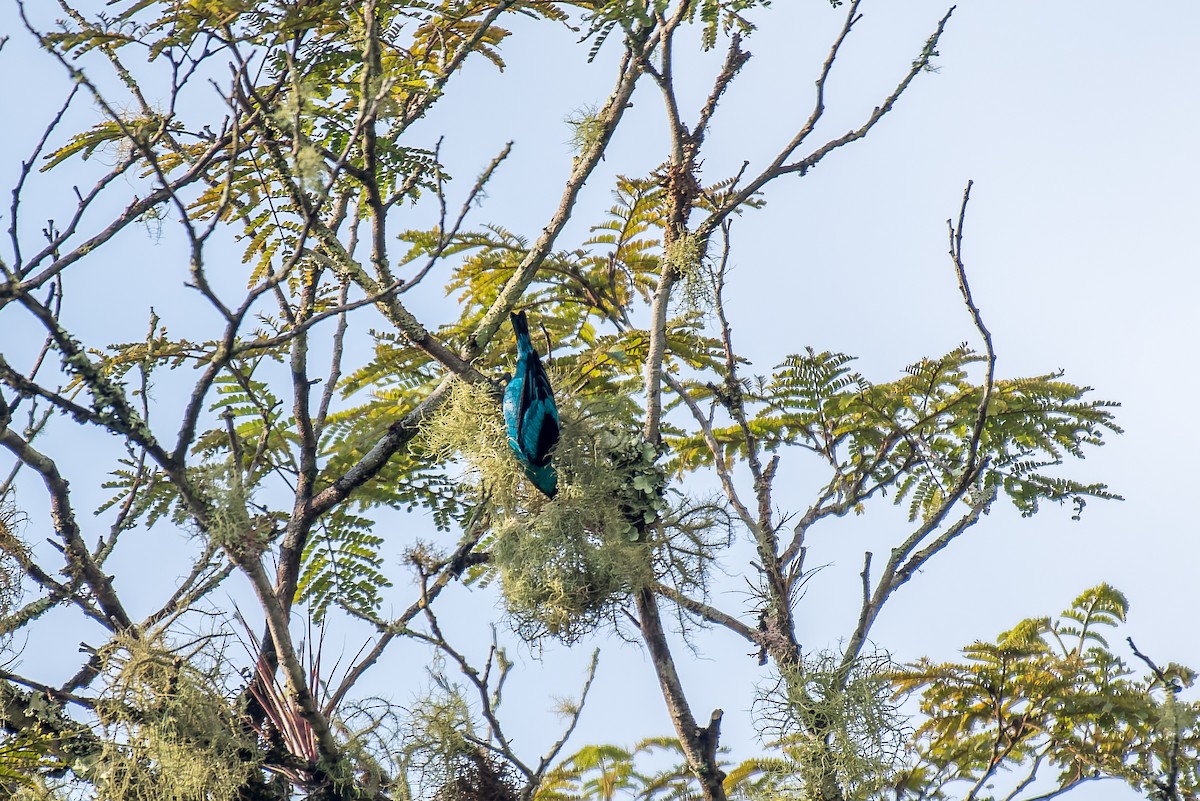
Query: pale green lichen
[[168, 732], [228, 522], [686, 254], [14, 553], [565, 564], [290, 117], [586, 128], [836, 723]]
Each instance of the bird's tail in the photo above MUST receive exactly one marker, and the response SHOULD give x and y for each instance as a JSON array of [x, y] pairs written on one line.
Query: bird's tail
[[521, 329]]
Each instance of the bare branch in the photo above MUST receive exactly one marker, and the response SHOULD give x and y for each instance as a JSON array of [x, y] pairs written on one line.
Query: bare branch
[[452, 568], [79, 560], [699, 744], [607, 120], [547, 760], [709, 613], [487, 701], [905, 559], [781, 166], [26, 170]]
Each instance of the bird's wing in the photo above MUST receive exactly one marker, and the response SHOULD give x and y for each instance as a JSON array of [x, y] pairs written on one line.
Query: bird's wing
[[512, 405], [537, 427], [547, 439]]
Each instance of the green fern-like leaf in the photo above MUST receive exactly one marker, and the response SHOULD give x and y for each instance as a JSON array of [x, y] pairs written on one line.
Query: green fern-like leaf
[[342, 566]]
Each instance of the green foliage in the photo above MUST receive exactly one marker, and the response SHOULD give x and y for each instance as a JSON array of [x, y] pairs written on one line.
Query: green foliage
[[713, 17], [400, 376], [342, 565], [25, 755], [39, 744], [574, 293], [652, 769], [914, 435], [607, 15], [724, 16], [105, 136], [628, 242], [1051, 693], [1047, 697], [316, 155], [343, 561], [313, 98]]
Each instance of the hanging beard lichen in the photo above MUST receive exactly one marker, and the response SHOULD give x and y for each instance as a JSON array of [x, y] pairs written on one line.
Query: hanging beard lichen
[[835, 723], [564, 564], [686, 254], [469, 427], [13, 554], [169, 733], [439, 757], [230, 524]]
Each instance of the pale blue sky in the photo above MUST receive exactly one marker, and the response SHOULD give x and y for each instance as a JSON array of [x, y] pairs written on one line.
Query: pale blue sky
[[1078, 122]]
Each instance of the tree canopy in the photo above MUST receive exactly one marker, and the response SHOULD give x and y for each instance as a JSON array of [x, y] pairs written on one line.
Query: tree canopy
[[311, 407]]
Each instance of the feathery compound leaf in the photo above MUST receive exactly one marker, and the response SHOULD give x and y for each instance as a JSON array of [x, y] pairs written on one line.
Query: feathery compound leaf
[[1102, 605], [1031, 695], [342, 565], [722, 16], [914, 435]]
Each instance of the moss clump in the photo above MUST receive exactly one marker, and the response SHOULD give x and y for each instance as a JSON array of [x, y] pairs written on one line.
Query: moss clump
[[229, 524], [469, 428], [564, 571], [564, 564], [169, 733]]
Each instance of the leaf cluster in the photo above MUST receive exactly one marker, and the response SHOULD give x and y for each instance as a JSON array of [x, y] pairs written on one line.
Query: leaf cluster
[[653, 769], [632, 16], [916, 436], [1053, 693]]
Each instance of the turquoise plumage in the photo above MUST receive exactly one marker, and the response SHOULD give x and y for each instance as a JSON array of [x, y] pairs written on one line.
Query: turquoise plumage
[[530, 414]]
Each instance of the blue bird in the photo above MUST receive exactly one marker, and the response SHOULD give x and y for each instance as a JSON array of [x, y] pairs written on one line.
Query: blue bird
[[530, 414]]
